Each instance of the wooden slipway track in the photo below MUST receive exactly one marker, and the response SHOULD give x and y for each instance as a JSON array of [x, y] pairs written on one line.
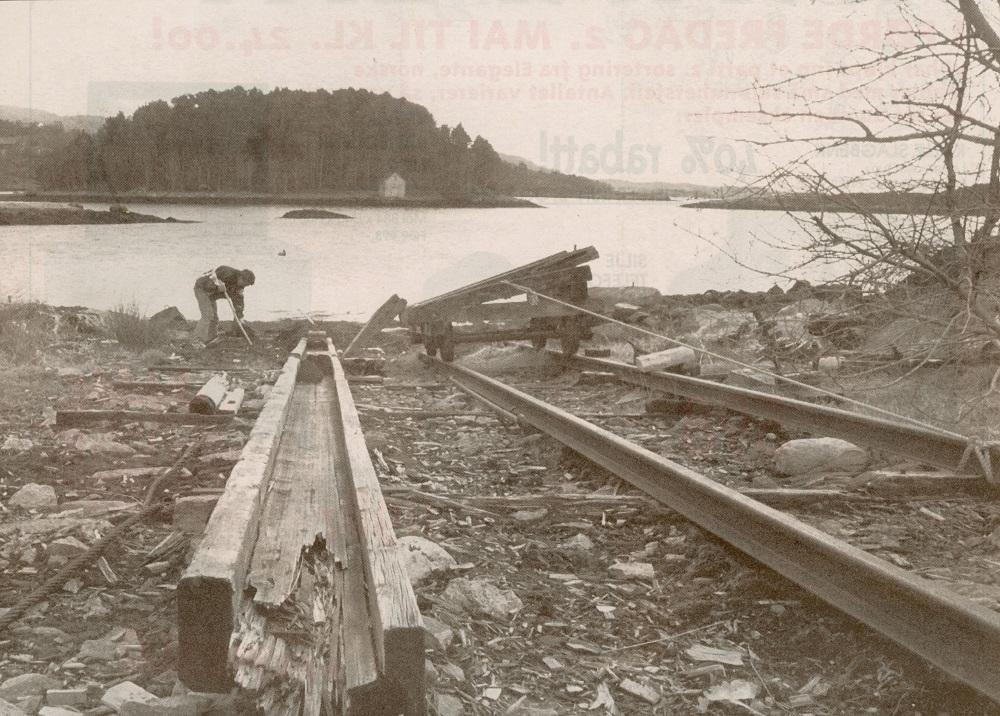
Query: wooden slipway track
[[296, 592]]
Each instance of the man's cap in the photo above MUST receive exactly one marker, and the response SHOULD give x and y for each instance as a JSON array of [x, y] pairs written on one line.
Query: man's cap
[[248, 277]]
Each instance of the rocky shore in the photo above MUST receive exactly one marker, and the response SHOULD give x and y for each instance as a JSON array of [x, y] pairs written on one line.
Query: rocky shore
[[22, 213]]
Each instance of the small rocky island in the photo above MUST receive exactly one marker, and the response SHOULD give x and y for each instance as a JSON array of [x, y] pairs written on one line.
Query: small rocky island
[[25, 213], [313, 214]]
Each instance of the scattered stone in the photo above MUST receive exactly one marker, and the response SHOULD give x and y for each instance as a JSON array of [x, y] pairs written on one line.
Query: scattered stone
[[170, 314], [125, 692], [430, 672], [14, 444], [66, 697], [182, 705], [553, 663], [66, 547], [811, 455], [57, 711], [101, 444], [423, 558], [448, 705], [638, 690], [632, 570], [191, 513], [578, 543], [9, 709], [98, 650], [31, 684], [479, 596], [437, 634], [34, 496], [529, 515]]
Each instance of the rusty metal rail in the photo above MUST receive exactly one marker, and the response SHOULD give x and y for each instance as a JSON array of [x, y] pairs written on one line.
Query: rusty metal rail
[[899, 438], [958, 636]]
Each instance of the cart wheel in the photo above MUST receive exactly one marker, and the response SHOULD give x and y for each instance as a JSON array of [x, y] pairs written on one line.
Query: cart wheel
[[431, 345]]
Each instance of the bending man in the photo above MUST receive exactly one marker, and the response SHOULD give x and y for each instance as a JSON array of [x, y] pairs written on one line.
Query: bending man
[[212, 286]]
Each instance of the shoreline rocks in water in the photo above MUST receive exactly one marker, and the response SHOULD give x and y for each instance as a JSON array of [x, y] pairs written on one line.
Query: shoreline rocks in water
[[22, 213], [313, 214]]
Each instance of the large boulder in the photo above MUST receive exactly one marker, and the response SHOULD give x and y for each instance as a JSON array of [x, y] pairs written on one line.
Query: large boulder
[[35, 497], [816, 455], [635, 295], [423, 558], [167, 316], [480, 597]]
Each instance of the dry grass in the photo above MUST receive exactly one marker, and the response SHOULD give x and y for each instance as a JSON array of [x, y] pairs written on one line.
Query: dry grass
[[134, 331], [25, 331]]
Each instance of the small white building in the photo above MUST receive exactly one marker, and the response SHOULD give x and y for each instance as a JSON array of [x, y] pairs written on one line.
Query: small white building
[[393, 187]]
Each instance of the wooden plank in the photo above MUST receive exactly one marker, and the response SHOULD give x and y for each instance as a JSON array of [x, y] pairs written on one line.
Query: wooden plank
[[382, 317], [197, 369], [211, 395], [210, 590], [398, 627], [561, 258], [70, 418], [154, 385]]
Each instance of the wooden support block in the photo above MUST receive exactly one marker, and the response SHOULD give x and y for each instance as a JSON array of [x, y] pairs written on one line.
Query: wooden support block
[[384, 315], [398, 628], [210, 591], [232, 401], [369, 379], [596, 377], [192, 513], [211, 395], [932, 482], [71, 418]]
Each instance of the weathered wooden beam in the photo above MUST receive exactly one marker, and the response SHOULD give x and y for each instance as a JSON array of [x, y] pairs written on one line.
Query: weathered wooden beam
[[210, 590], [211, 395], [173, 368], [154, 385], [384, 315], [399, 644], [72, 418]]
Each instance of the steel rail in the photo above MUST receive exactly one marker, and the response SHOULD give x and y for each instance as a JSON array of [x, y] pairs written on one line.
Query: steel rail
[[951, 632], [899, 438]]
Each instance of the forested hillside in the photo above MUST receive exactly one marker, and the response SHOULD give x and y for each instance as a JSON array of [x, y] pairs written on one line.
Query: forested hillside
[[292, 141]]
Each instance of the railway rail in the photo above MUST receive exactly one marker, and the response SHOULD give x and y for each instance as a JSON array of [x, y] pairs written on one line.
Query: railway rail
[[949, 631], [928, 446]]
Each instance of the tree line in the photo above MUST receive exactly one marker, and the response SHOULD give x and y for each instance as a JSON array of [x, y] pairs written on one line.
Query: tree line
[[291, 141]]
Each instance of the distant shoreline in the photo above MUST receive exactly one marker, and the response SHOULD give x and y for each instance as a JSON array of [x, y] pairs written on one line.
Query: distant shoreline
[[876, 203], [203, 198]]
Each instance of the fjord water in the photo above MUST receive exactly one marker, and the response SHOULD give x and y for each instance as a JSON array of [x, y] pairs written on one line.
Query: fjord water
[[345, 268]]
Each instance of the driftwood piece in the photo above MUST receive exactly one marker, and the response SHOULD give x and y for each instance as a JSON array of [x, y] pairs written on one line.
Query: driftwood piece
[[154, 385], [211, 395], [71, 418], [210, 590], [385, 313], [173, 368]]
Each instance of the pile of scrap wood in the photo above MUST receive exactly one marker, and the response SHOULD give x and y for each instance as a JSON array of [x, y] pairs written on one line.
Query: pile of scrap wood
[[297, 590]]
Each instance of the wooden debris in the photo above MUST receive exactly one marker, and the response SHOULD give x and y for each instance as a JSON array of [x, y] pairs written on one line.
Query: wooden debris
[[211, 395], [670, 358], [932, 482], [157, 385], [73, 418], [174, 368], [382, 317]]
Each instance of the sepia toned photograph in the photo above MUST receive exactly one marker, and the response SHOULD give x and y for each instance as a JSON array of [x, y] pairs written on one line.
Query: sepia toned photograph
[[515, 358]]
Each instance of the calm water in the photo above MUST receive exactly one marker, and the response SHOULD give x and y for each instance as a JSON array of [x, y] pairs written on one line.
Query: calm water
[[345, 269]]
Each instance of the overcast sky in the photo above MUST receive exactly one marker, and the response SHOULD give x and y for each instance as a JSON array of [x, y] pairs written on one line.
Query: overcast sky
[[637, 82]]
